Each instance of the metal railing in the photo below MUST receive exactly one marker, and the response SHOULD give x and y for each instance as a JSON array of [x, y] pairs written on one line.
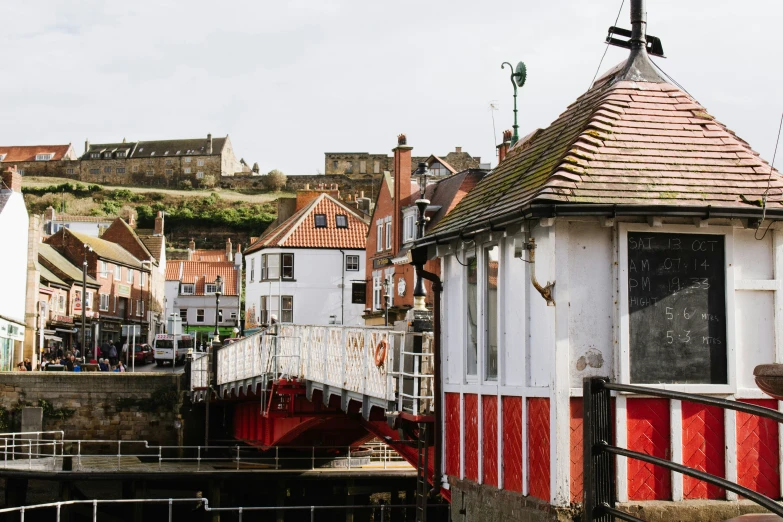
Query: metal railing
[[31, 452], [600, 493], [382, 509], [331, 357]]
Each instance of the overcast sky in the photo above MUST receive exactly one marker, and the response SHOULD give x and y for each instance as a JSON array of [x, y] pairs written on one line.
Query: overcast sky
[[291, 79]]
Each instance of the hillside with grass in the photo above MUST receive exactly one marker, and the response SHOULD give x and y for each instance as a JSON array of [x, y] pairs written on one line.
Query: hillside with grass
[[209, 215]]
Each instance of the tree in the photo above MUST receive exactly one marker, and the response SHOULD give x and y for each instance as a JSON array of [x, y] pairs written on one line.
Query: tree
[[275, 180]]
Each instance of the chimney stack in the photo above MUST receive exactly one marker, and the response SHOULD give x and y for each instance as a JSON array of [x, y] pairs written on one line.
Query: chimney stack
[[132, 220], [192, 245], [402, 187], [12, 180], [503, 147], [49, 213], [86, 146], [229, 250], [457, 149], [209, 143], [159, 223]]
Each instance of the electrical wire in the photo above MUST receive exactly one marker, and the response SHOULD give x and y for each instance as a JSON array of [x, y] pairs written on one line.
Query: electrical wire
[[769, 183], [499, 196]]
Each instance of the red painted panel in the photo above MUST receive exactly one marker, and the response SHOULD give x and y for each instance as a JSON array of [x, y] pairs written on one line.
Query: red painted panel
[[512, 444], [538, 447], [757, 451], [471, 437], [451, 421], [489, 412], [577, 457], [648, 432], [703, 445]]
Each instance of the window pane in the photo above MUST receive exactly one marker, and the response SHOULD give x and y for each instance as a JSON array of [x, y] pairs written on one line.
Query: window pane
[[288, 309], [320, 220], [472, 310], [273, 268], [288, 266], [341, 221], [491, 313]]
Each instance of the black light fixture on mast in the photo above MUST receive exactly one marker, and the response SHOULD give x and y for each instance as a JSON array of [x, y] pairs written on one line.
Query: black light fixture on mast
[[518, 77], [218, 291], [419, 293]]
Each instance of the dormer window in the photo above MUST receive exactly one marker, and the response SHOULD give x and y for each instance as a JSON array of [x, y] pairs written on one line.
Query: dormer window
[[187, 289], [152, 153], [42, 157], [121, 154], [341, 221], [210, 289], [320, 221], [95, 155], [107, 155]]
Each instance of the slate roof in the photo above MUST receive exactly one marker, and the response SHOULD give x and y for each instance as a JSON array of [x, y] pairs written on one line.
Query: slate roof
[[68, 270], [201, 273], [28, 152], [299, 231], [448, 192], [154, 244], [623, 142], [107, 249], [188, 147], [47, 275]]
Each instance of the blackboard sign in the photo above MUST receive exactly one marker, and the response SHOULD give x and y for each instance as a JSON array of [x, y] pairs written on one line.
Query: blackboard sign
[[359, 293], [677, 308]]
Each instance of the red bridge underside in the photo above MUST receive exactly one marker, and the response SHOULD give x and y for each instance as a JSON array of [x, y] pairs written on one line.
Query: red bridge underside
[[293, 421]]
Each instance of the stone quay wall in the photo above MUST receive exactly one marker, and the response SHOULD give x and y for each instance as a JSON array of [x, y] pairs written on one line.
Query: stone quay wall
[[92, 406]]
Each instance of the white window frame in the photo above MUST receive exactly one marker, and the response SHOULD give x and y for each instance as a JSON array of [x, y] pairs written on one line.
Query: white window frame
[[471, 378], [210, 289], [88, 301], [142, 278], [389, 280], [483, 295], [46, 156], [409, 225], [388, 235], [187, 170], [200, 174], [130, 276], [139, 307], [379, 236], [117, 273], [283, 311], [621, 274], [200, 163], [104, 304], [351, 261], [200, 312], [104, 270], [252, 271], [187, 286], [188, 160], [377, 291]]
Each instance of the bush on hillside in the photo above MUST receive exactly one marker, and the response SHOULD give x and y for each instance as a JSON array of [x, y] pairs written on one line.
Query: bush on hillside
[[275, 180]]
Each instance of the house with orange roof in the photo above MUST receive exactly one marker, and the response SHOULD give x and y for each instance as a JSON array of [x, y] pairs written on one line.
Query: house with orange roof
[[41, 160], [192, 285], [303, 270]]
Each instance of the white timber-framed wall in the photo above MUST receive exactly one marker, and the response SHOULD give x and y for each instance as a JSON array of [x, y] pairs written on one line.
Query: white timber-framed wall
[[547, 351]]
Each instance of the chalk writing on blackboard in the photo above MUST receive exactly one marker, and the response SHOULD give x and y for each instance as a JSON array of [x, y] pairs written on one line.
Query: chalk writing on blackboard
[[677, 308]]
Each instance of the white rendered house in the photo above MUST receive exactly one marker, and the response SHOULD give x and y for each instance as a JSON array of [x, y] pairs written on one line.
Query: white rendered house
[[302, 270]]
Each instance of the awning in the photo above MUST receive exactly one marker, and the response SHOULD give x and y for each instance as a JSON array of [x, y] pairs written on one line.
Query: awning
[[53, 338], [403, 257], [64, 330]]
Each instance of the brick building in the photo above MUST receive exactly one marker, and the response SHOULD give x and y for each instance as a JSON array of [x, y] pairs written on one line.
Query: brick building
[[41, 160], [124, 294], [393, 229], [164, 162], [361, 163]]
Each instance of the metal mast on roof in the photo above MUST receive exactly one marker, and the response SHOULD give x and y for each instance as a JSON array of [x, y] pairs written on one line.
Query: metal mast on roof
[[518, 77]]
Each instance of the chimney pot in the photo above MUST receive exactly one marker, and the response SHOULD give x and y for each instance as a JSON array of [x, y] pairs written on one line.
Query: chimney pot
[[192, 245], [402, 139], [86, 146], [209, 143], [159, 224]]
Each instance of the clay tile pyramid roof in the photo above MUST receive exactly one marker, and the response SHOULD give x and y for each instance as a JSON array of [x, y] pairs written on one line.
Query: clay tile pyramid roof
[[629, 140], [202, 272], [299, 231]]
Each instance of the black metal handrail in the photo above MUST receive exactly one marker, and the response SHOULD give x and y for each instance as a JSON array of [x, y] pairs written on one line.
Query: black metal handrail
[[600, 495]]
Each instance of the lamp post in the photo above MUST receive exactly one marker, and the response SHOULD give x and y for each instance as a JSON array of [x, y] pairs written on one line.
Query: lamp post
[[84, 302], [218, 291], [419, 293]]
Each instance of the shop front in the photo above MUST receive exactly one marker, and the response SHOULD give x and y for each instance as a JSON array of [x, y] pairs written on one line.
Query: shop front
[[11, 339]]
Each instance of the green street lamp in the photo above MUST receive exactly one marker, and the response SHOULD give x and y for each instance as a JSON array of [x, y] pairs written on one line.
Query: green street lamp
[[518, 77]]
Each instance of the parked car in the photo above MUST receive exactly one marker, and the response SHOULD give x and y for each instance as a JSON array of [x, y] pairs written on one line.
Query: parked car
[[143, 354]]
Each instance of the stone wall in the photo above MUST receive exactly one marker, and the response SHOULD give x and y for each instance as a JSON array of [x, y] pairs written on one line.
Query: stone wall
[[89, 406], [353, 185], [53, 169], [159, 171]]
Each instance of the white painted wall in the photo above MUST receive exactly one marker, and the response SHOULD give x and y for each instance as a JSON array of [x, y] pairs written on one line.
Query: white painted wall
[[13, 224], [193, 303], [316, 288]]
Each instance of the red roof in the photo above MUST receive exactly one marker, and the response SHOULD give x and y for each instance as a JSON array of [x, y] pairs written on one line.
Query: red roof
[[209, 255], [201, 273], [299, 231], [28, 152], [624, 142]]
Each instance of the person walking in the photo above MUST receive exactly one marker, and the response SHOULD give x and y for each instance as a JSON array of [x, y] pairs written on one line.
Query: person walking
[[112, 354]]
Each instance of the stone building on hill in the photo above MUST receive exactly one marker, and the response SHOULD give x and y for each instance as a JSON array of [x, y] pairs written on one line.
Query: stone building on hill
[[361, 163], [41, 160], [163, 162]]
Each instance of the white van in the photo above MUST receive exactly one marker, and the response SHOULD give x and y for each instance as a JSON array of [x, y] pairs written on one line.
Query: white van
[[167, 345]]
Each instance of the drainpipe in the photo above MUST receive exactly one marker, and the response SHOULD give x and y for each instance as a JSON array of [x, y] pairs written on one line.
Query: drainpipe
[[342, 289], [437, 289]]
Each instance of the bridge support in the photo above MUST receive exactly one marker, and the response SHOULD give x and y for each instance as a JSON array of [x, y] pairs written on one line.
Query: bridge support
[[15, 492], [213, 494]]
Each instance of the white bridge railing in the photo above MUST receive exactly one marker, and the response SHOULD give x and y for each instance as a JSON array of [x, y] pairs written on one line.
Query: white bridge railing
[[343, 360]]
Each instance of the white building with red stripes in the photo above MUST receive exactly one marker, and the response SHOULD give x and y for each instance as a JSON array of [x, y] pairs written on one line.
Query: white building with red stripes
[[633, 239]]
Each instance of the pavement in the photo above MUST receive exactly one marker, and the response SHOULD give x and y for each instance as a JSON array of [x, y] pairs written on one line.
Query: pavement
[[154, 368]]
